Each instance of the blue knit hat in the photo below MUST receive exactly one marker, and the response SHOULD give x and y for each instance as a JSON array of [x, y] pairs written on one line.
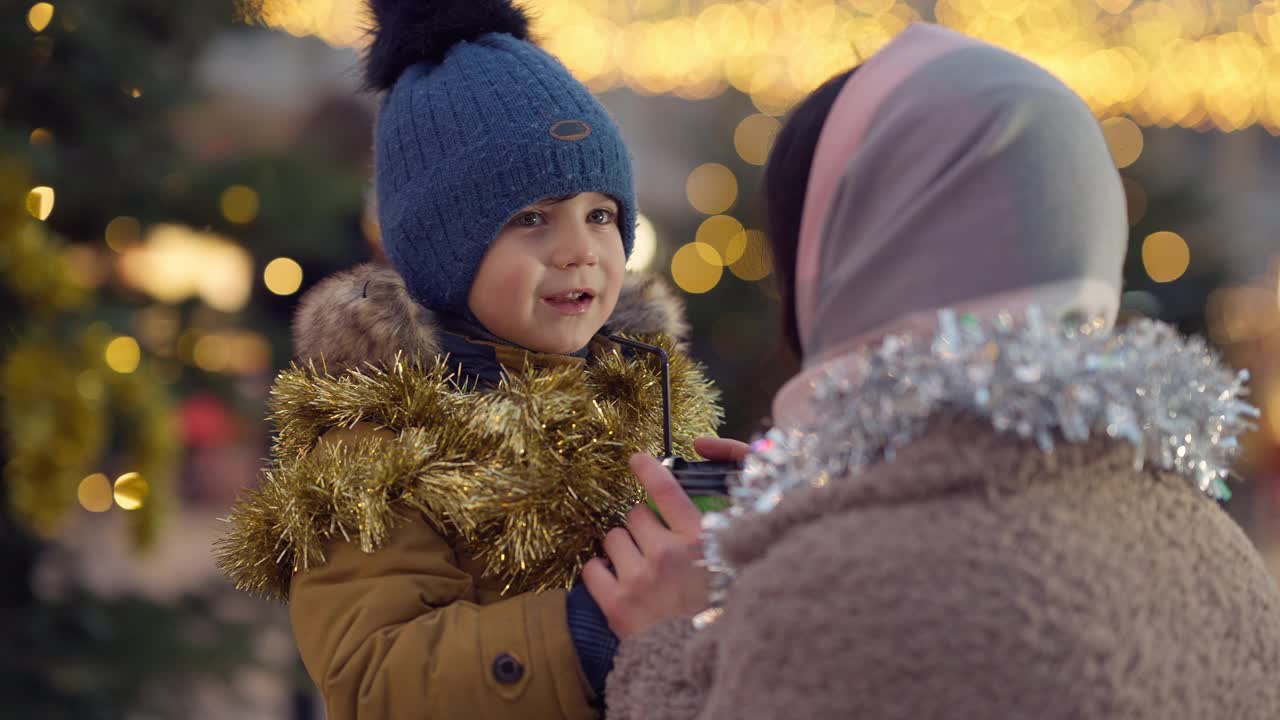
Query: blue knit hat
[[478, 123]]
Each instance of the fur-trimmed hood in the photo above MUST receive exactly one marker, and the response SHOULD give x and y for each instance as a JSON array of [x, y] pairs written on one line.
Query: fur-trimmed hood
[[365, 315]]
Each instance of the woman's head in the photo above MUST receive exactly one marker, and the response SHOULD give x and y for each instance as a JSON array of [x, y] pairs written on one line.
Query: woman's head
[[785, 181], [944, 173]]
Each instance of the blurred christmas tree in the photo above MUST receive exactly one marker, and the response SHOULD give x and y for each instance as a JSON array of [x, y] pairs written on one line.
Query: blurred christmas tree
[[128, 260]]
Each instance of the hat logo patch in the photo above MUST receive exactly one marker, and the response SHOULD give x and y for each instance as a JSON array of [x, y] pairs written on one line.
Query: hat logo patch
[[570, 130]]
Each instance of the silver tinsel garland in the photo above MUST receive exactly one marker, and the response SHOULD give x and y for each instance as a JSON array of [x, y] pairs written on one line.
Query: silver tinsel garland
[[1166, 395]]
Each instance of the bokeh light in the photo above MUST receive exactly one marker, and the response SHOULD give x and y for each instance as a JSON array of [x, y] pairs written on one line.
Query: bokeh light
[[84, 265], [1165, 256], [212, 353], [176, 263], [725, 235], [131, 491], [282, 276], [227, 286], [250, 354], [123, 233], [1124, 139], [39, 16], [696, 268], [753, 138], [94, 493], [645, 248], [712, 188], [239, 204], [40, 202], [123, 354], [755, 263], [89, 385], [236, 352], [41, 136]]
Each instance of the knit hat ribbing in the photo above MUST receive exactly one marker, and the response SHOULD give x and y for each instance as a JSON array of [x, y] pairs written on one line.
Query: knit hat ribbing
[[465, 142]]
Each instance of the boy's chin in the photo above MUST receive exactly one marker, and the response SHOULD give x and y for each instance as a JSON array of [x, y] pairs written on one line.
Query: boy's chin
[[563, 344]]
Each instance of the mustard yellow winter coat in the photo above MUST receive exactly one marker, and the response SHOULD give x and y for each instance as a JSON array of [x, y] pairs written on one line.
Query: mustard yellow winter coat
[[415, 630]]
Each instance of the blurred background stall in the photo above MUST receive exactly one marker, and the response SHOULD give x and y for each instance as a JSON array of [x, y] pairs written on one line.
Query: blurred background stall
[[174, 175]]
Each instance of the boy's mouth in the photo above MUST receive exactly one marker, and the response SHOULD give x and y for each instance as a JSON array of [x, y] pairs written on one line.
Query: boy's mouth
[[572, 302]]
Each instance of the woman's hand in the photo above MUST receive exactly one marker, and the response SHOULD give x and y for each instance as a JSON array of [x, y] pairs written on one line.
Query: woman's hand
[[721, 449], [655, 572]]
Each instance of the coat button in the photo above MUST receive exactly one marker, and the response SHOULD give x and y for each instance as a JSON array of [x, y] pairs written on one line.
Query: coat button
[[507, 669]]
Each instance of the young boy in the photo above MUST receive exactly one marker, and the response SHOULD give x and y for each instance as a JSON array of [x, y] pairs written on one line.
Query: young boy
[[453, 443]]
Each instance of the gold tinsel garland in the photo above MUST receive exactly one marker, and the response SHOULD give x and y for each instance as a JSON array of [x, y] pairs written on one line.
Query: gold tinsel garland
[[528, 475], [59, 404], [59, 397], [53, 432], [33, 270]]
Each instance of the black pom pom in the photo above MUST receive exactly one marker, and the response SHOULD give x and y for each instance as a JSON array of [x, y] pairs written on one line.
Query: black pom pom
[[406, 32]]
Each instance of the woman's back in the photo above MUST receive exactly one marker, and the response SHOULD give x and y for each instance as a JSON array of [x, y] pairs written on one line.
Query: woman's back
[[975, 577]]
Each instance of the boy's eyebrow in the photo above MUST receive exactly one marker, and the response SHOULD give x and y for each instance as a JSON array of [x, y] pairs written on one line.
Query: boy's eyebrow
[[557, 200]]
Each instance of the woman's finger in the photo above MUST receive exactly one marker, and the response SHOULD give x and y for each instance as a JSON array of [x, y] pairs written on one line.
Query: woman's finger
[[676, 508], [649, 532], [721, 449], [600, 582], [622, 551]]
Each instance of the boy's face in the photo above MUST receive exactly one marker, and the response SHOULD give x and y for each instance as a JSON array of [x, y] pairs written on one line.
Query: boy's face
[[551, 278]]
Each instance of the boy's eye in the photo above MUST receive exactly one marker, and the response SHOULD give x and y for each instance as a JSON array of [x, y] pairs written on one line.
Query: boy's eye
[[530, 219], [601, 216]]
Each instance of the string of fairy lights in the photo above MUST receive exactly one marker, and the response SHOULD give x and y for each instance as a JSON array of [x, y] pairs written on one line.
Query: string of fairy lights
[[1190, 63]]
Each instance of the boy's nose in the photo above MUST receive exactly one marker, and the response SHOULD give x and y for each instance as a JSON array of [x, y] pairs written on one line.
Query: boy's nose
[[575, 250]]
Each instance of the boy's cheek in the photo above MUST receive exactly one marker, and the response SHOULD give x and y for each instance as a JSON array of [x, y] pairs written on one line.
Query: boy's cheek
[[617, 276], [611, 301], [516, 277]]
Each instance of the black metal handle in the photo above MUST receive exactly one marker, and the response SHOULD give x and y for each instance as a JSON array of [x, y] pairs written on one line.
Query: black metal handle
[[666, 384], [702, 477], [696, 477]]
